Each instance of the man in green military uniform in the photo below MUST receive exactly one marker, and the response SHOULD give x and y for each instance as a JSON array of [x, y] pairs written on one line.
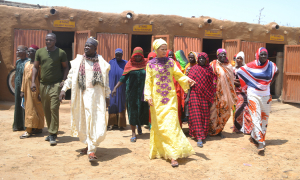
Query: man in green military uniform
[[52, 60]]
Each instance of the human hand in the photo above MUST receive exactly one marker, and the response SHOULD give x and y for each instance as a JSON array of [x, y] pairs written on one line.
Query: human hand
[[62, 95], [61, 84], [150, 102], [22, 94], [114, 92], [33, 87], [191, 82]]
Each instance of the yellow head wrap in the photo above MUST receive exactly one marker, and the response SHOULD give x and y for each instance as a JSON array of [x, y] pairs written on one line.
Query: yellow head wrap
[[157, 43]]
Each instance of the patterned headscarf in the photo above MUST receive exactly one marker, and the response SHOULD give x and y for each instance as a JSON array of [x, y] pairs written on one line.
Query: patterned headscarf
[[205, 56], [157, 43], [220, 51], [132, 65], [259, 51], [195, 55]]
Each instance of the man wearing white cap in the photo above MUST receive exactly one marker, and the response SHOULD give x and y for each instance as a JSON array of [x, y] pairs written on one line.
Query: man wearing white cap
[[88, 78]]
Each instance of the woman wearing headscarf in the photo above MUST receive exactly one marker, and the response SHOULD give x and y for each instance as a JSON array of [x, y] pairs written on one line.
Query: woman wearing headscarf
[[225, 96], [179, 91], [34, 113], [167, 140], [192, 57], [151, 55], [134, 76], [242, 120], [181, 58], [117, 104], [258, 75], [201, 98]]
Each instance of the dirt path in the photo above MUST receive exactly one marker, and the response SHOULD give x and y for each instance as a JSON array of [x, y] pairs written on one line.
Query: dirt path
[[230, 158]]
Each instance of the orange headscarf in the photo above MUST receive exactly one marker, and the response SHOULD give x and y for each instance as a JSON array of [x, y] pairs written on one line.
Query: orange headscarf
[[132, 65]]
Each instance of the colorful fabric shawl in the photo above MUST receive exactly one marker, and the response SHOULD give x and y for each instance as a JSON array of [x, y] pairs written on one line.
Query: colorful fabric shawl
[[97, 75], [132, 65], [256, 75]]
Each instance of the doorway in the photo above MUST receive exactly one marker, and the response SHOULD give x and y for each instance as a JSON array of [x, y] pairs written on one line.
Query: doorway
[[210, 47], [143, 41], [272, 54], [65, 40]]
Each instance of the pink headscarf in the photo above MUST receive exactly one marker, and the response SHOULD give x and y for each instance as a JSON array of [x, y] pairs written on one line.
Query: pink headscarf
[[220, 51]]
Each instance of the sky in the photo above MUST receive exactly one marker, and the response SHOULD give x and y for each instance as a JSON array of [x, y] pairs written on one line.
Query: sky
[[283, 13]]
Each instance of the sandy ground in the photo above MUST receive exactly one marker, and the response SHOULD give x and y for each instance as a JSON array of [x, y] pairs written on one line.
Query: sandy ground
[[230, 158]]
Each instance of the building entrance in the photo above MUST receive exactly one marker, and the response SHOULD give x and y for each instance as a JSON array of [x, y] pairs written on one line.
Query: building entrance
[[65, 41], [273, 56], [143, 41], [210, 47]]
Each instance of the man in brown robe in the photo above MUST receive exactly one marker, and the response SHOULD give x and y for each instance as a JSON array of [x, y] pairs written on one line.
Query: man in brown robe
[[34, 114]]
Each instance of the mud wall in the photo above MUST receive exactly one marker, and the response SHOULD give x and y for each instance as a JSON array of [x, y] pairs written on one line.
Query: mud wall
[[27, 18]]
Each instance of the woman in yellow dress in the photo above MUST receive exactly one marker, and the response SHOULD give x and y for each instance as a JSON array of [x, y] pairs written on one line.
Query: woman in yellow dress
[[167, 140]]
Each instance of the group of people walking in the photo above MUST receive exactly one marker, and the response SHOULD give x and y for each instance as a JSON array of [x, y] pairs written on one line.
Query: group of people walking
[[161, 91]]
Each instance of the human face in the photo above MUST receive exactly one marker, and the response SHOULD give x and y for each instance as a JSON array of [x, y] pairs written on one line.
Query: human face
[[138, 58], [191, 58], [21, 52], [239, 61], [162, 50], [222, 57], [50, 41], [119, 56], [89, 49], [201, 61], [171, 55], [31, 53], [263, 56]]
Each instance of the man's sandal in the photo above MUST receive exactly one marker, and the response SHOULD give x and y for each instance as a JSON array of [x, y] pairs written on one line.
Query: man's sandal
[[25, 135], [92, 157], [84, 151]]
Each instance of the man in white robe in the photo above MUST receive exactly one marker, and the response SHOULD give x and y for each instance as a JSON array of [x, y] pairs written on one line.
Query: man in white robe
[[88, 78]]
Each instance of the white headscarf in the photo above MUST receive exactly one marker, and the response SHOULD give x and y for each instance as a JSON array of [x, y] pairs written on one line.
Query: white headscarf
[[242, 55]]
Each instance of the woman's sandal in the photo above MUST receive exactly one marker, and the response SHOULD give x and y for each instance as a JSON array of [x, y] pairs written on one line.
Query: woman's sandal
[[174, 163], [84, 151], [92, 157], [133, 139], [200, 144], [25, 135], [261, 150], [140, 132]]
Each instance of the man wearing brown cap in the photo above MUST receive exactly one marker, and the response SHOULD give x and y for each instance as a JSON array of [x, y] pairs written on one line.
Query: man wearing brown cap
[[51, 59]]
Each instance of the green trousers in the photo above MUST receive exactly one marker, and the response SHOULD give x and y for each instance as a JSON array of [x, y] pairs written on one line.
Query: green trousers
[[50, 100]]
